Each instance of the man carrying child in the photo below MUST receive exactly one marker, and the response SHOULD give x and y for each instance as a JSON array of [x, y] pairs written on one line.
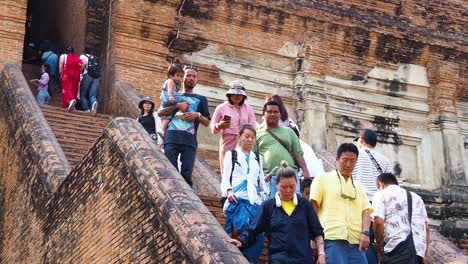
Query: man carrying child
[[180, 137]]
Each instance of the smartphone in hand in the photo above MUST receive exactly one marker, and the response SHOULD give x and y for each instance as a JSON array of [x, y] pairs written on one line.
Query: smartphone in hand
[[226, 118]]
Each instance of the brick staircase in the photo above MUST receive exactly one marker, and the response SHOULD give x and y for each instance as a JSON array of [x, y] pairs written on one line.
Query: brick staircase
[[75, 131]]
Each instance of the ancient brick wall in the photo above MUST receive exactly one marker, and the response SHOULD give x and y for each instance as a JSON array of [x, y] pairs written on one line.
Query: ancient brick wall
[[97, 24], [13, 17], [100, 215], [70, 23], [32, 165], [126, 200], [344, 40]]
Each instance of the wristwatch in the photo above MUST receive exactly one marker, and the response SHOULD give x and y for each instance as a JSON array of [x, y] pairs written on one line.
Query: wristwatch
[[366, 232], [321, 253], [199, 115]]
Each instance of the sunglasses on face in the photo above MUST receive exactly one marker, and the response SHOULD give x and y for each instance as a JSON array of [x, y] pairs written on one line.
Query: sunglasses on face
[[345, 196]]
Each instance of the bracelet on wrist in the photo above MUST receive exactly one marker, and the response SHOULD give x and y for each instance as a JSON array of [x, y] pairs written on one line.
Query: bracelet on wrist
[[321, 253]]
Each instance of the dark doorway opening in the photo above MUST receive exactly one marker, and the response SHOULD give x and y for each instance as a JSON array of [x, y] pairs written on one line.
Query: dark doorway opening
[[41, 29]]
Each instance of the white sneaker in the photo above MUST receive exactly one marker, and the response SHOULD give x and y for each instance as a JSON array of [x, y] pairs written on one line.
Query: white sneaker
[[71, 106], [94, 107]]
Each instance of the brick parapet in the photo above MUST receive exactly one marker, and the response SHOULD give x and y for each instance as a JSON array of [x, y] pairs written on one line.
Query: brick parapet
[[25, 119], [200, 235], [32, 165], [102, 212], [13, 17]]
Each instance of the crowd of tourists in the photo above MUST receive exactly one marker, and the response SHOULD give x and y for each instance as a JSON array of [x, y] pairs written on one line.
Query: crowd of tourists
[[77, 76], [357, 213]]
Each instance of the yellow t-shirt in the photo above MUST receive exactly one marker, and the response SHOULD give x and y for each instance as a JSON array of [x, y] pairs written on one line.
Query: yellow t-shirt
[[288, 206], [341, 218]]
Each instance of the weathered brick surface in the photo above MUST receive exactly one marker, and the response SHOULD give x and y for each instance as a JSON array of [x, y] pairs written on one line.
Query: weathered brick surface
[[101, 215], [342, 39], [70, 29], [13, 17], [442, 251], [32, 165], [97, 23]]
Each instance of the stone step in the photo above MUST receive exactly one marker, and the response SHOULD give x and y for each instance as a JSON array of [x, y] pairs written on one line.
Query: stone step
[[75, 131]]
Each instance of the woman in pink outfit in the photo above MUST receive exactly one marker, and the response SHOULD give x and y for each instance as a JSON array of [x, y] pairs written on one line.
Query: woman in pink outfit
[[229, 116]]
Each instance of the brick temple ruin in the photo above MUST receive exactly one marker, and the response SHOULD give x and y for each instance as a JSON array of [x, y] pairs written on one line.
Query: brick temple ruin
[[399, 67]]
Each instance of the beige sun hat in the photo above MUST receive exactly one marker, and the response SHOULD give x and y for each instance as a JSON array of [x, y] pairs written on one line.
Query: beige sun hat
[[236, 87]]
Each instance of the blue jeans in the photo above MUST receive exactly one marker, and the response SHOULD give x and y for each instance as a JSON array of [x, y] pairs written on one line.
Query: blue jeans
[[88, 91], [341, 252], [274, 188], [43, 97], [187, 158], [371, 253]]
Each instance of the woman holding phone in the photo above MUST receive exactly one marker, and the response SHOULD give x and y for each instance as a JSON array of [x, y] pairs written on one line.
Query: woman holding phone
[[229, 116]]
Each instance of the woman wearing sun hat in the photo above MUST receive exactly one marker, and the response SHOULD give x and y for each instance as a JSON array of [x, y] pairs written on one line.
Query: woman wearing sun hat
[[229, 116], [148, 118]]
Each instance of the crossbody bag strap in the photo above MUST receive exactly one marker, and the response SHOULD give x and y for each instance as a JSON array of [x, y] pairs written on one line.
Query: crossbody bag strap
[[48, 56], [234, 162], [374, 161], [410, 208], [281, 142]]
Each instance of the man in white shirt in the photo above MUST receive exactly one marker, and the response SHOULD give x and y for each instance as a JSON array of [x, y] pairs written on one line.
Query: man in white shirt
[[391, 219], [369, 165]]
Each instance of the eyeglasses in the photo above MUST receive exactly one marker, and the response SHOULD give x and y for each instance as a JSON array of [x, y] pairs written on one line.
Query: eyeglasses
[[344, 196], [193, 67]]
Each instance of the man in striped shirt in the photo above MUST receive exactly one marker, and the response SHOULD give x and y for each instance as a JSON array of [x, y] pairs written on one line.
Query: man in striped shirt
[[369, 166]]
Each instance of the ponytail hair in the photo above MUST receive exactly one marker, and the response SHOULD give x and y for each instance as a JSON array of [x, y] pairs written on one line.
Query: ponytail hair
[[285, 171]]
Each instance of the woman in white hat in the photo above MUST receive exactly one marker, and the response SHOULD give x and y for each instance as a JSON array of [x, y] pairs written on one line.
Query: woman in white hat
[[148, 118], [229, 116]]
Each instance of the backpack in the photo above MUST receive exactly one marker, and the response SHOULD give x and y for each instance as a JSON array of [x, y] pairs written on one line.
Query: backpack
[[94, 69], [234, 162], [73, 62]]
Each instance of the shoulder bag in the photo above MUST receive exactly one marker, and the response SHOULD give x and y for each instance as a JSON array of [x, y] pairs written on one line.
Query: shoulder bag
[[405, 251]]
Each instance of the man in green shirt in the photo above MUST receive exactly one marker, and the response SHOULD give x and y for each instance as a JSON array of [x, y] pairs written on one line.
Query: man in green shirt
[[276, 144]]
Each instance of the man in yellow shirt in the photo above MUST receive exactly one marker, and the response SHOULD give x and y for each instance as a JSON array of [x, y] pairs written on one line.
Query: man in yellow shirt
[[343, 209]]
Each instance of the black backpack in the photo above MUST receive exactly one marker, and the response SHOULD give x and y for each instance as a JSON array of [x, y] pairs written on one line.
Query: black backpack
[[94, 70], [234, 162]]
